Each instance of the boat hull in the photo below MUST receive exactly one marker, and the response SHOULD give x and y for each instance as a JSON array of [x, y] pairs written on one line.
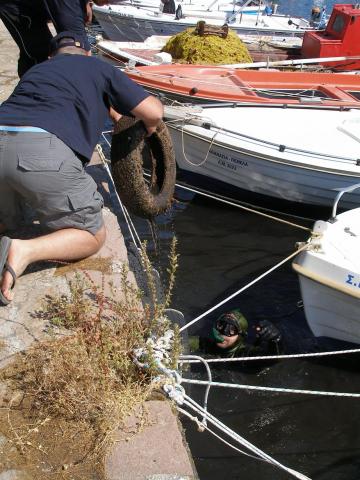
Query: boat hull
[[329, 312], [122, 27], [262, 174], [329, 275]]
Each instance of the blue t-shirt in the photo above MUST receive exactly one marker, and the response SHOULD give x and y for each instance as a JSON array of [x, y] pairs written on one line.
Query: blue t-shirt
[[69, 96]]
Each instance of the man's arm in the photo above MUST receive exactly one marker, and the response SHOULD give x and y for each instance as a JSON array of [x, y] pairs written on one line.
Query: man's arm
[[150, 111]]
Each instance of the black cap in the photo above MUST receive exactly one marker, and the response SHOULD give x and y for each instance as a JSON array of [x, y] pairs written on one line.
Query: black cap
[[72, 40]]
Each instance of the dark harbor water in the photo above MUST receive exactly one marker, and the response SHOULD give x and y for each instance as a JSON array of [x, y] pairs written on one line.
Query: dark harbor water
[[221, 249]]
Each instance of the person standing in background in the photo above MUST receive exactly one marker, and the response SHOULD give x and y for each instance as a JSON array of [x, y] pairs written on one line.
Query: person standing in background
[[27, 23]]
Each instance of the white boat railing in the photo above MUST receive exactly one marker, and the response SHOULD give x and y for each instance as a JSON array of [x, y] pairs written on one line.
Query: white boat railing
[[339, 195], [198, 121], [232, 17], [286, 63]]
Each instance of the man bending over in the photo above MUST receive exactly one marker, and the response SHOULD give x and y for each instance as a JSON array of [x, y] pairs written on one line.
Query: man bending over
[[49, 127]]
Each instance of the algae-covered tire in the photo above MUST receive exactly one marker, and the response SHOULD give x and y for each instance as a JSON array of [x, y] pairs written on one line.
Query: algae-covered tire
[[131, 149]]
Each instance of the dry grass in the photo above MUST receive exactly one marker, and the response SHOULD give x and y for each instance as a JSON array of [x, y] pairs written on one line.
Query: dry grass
[[86, 379]]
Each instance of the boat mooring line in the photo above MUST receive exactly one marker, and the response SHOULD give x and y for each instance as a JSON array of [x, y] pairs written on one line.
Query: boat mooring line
[[187, 359], [207, 153], [132, 230], [202, 427], [244, 207], [270, 389], [242, 289], [170, 381], [208, 371], [189, 402], [249, 209]]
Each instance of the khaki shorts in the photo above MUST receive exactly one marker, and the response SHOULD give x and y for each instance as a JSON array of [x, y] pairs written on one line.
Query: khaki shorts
[[40, 169]]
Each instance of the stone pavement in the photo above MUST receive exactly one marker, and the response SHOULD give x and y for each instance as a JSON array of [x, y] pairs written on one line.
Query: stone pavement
[[159, 452]]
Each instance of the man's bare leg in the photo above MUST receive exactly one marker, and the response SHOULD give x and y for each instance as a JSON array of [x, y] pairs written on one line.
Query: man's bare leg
[[66, 245]]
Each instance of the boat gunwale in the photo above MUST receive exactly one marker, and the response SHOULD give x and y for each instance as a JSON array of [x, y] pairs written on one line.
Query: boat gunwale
[[287, 162], [339, 96], [305, 272]]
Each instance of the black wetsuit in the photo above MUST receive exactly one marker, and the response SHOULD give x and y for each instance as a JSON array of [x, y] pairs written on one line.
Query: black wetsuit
[[26, 21]]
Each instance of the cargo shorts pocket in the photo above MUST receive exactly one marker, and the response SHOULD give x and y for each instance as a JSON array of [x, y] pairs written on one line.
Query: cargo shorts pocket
[[32, 162], [89, 199]]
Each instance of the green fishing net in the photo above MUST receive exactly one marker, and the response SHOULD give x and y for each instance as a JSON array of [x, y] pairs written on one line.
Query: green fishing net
[[189, 47]]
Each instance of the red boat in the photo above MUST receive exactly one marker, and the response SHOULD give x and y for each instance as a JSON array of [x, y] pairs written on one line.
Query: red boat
[[341, 38], [199, 83]]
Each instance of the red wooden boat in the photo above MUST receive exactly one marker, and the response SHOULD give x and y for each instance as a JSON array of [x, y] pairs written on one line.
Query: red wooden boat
[[196, 83], [341, 38]]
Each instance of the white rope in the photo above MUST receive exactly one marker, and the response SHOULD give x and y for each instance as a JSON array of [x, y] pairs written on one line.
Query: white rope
[[260, 277], [207, 153], [103, 134], [248, 209], [176, 392], [196, 407], [132, 230], [202, 426], [271, 389], [208, 371], [184, 358], [124, 211], [133, 227]]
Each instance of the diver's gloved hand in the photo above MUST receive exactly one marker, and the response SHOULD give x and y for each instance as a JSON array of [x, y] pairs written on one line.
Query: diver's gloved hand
[[267, 332]]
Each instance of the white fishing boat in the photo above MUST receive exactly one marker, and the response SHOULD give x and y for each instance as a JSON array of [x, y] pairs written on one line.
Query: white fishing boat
[[136, 53], [132, 23], [299, 154], [329, 275], [249, 7]]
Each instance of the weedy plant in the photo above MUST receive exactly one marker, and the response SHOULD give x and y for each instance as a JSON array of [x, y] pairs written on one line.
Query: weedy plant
[[87, 377]]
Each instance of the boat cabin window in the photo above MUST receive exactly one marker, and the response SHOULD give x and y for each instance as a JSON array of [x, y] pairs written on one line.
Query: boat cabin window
[[355, 94], [291, 94], [338, 24]]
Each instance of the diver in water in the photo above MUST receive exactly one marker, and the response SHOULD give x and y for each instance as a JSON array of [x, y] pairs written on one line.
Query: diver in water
[[228, 338]]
